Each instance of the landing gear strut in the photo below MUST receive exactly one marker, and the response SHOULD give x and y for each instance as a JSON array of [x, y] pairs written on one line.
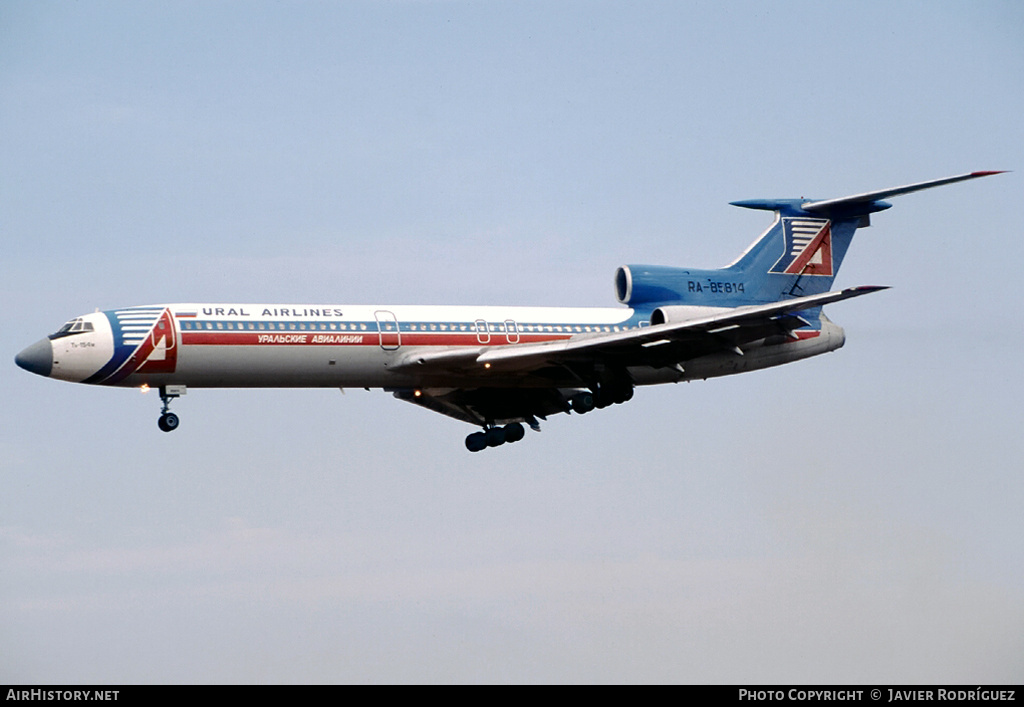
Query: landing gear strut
[[495, 436], [168, 421]]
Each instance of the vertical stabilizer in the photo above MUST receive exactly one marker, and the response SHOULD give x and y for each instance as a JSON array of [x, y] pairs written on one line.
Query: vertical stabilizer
[[799, 255], [801, 252]]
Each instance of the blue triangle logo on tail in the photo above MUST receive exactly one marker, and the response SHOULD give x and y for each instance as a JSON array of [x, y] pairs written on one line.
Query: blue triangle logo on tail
[[807, 248]]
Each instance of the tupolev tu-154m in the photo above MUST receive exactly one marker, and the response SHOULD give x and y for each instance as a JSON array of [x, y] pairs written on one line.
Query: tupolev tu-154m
[[499, 368]]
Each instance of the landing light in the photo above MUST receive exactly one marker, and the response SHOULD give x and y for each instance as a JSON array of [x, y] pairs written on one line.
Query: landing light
[[144, 388]]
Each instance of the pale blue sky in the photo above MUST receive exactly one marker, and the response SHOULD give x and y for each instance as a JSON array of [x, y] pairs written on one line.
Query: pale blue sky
[[853, 518]]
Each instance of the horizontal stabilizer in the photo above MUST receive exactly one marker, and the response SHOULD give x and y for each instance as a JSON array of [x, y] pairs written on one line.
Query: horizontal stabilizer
[[870, 198], [850, 206]]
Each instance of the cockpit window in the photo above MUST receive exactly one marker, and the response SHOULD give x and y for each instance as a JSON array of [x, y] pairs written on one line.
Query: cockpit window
[[75, 326]]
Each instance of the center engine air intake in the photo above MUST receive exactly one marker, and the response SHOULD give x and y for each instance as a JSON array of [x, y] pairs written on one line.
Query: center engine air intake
[[646, 284]]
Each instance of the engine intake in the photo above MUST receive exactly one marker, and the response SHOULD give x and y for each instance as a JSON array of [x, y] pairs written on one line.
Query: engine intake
[[643, 284]]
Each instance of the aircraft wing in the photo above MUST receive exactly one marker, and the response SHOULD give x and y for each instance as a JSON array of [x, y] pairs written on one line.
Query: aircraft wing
[[659, 345]]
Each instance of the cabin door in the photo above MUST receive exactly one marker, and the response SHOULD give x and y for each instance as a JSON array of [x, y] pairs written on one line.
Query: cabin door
[[387, 327]]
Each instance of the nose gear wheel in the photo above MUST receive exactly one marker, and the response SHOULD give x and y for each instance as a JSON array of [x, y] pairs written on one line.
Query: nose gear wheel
[[168, 421]]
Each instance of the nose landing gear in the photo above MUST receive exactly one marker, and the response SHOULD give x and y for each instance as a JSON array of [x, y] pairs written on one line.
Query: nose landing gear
[[168, 421]]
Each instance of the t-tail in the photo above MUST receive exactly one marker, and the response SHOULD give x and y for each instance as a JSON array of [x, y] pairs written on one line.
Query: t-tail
[[798, 255]]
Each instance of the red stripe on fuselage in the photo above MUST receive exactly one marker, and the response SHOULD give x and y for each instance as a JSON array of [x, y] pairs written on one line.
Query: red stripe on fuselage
[[320, 338]]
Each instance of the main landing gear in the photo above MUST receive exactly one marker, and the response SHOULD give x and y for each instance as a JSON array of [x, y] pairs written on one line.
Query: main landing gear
[[601, 397], [495, 436], [168, 421], [611, 391]]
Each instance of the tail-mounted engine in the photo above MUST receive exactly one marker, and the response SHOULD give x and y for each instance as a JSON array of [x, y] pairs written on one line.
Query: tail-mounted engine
[[658, 284]]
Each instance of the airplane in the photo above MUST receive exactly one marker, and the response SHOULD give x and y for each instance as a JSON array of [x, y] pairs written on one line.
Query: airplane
[[499, 368]]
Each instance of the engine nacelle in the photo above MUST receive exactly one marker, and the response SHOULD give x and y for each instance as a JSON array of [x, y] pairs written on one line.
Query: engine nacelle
[[641, 284], [659, 284], [682, 312]]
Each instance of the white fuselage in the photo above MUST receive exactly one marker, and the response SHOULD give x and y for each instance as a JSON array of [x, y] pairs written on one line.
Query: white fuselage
[[260, 345]]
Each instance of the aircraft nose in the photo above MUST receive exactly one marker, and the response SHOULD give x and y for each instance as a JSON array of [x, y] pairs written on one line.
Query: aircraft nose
[[37, 358]]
